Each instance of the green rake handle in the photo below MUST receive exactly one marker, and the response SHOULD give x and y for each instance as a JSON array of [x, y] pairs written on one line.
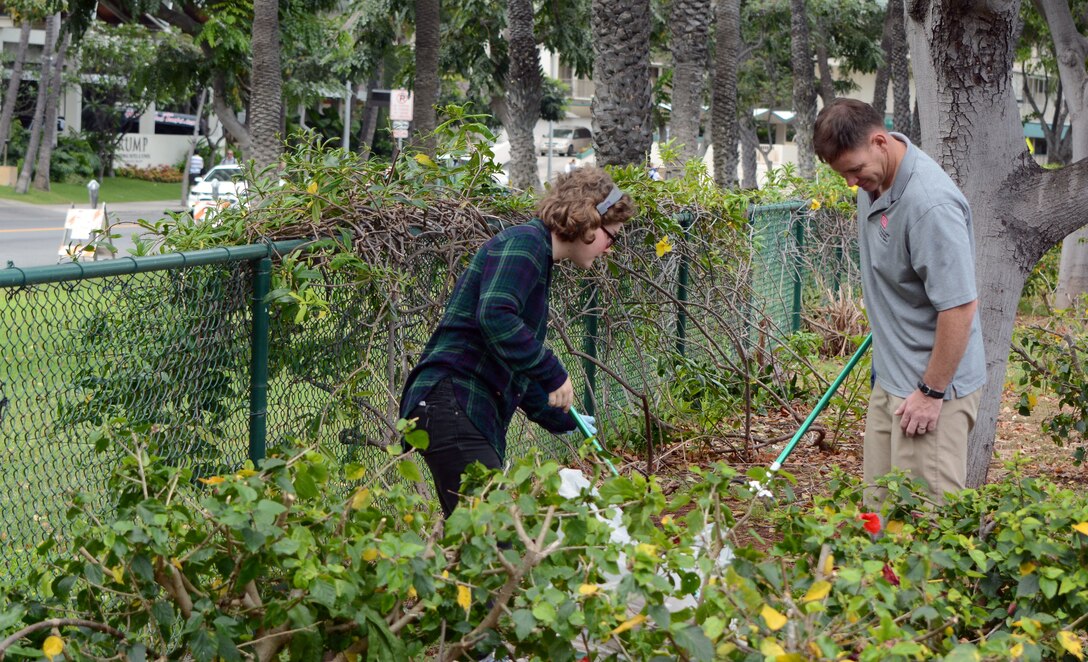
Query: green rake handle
[[822, 403], [580, 421]]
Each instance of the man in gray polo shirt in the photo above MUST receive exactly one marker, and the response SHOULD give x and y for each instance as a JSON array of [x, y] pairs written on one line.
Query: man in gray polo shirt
[[918, 280]]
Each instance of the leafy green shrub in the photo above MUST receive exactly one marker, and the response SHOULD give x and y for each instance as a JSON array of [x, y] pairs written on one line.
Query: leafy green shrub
[[160, 173], [267, 564], [1051, 357], [73, 160]]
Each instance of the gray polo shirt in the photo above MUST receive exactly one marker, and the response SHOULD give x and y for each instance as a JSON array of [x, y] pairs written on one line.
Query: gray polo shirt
[[917, 258]]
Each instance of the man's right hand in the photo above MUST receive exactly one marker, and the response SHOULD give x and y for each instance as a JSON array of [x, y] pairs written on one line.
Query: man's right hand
[[562, 397]]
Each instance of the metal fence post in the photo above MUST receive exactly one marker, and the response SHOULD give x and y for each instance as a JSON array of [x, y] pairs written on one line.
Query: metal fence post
[[686, 218], [798, 267], [589, 346], [258, 374]]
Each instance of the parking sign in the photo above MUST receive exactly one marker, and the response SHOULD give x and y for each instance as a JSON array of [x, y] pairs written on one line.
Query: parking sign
[[400, 105]]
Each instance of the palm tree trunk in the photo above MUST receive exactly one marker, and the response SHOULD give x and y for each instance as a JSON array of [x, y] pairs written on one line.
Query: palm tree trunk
[[749, 141], [690, 27], [523, 94], [266, 102], [622, 122], [192, 146], [370, 114], [900, 69], [49, 131], [725, 127], [12, 93], [804, 92], [428, 24], [51, 27]]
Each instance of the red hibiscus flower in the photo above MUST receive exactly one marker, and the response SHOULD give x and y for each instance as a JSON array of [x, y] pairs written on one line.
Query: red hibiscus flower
[[872, 522], [890, 575]]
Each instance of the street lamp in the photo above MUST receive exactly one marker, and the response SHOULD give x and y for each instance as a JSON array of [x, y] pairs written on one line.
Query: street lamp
[[92, 190]]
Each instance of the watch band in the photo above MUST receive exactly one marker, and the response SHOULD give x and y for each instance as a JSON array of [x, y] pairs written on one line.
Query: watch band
[[929, 392]]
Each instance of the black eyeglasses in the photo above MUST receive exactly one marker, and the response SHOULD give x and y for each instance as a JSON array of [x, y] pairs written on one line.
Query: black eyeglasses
[[611, 237]]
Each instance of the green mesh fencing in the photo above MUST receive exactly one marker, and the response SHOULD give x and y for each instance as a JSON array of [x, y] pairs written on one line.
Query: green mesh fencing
[[185, 347]]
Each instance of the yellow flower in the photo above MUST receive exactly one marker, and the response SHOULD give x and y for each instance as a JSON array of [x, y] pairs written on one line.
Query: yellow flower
[[663, 246], [52, 646], [854, 188], [815, 204], [464, 597], [1081, 528], [409, 518], [666, 520], [214, 480]]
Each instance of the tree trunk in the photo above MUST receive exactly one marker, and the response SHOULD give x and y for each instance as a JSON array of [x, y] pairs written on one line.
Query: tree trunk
[[49, 130], [370, 114], [266, 101], [900, 70], [622, 123], [749, 141], [12, 93], [48, 49], [883, 74], [962, 55], [428, 25], [725, 123], [689, 29], [1071, 49], [804, 89], [826, 83], [524, 81]]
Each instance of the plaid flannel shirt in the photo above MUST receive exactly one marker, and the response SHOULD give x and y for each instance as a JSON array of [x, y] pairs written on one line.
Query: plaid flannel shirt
[[490, 340]]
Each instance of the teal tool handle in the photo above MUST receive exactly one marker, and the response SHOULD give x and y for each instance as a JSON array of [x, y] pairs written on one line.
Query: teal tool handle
[[822, 403], [580, 421]]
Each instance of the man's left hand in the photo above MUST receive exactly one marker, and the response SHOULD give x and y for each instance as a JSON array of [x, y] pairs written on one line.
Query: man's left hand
[[919, 414]]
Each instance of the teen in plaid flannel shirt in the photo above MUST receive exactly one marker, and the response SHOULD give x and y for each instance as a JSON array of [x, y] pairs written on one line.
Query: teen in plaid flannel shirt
[[487, 356]]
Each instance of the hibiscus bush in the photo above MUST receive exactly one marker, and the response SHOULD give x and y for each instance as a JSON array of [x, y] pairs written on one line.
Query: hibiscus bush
[[268, 563]]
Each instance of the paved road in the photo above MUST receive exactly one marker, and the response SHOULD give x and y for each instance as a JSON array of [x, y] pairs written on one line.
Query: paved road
[[30, 235]]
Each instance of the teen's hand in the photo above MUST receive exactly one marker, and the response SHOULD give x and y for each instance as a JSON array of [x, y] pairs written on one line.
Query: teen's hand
[[562, 397]]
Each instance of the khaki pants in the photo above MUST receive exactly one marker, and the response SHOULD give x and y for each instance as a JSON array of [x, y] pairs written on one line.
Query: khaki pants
[[938, 457]]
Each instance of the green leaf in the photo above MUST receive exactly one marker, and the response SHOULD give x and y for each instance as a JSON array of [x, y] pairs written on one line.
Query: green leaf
[[323, 593], [418, 439], [409, 471], [693, 641], [524, 623], [13, 615], [544, 612], [202, 646]]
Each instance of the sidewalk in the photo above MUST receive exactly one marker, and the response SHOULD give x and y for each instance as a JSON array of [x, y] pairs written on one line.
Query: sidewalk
[[143, 207]]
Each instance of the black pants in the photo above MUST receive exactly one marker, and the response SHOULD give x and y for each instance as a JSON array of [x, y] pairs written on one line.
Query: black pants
[[455, 443]]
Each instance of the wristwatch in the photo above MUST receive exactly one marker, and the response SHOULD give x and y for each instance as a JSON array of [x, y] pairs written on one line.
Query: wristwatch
[[929, 392]]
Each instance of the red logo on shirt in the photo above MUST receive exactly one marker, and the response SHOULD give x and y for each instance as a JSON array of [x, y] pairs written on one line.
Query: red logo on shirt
[[884, 221]]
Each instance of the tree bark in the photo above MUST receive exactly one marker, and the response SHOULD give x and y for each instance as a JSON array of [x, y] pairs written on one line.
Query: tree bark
[[370, 114], [804, 89], [749, 141], [12, 93], [725, 122], [689, 29], [266, 101], [49, 130], [826, 83], [883, 74], [962, 56], [1071, 49], [524, 81], [51, 26], [428, 24], [622, 123], [900, 70]]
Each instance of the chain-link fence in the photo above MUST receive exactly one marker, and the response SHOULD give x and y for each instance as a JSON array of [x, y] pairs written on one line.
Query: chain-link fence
[[205, 355]]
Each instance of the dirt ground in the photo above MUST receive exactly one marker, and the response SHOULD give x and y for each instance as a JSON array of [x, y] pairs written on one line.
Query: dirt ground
[[811, 461]]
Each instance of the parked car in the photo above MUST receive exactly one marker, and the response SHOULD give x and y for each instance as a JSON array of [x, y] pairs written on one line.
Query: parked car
[[569, 140], [224, 183]]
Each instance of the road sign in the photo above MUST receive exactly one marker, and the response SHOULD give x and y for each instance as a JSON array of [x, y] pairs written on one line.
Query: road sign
[[400, 105], [400, 128]]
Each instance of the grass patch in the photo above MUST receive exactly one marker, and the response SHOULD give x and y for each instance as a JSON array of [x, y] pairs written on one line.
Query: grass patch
[[113, 190]]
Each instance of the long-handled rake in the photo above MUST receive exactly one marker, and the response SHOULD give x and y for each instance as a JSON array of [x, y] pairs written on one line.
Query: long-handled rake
[[781, 459]]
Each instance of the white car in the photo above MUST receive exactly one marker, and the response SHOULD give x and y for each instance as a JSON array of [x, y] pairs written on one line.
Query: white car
[[221, 186]]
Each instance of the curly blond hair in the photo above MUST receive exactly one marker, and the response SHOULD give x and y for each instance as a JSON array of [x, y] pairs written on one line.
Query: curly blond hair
[[569, 208]]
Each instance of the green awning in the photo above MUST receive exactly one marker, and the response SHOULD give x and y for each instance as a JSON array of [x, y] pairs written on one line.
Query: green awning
[[1035, 131]]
